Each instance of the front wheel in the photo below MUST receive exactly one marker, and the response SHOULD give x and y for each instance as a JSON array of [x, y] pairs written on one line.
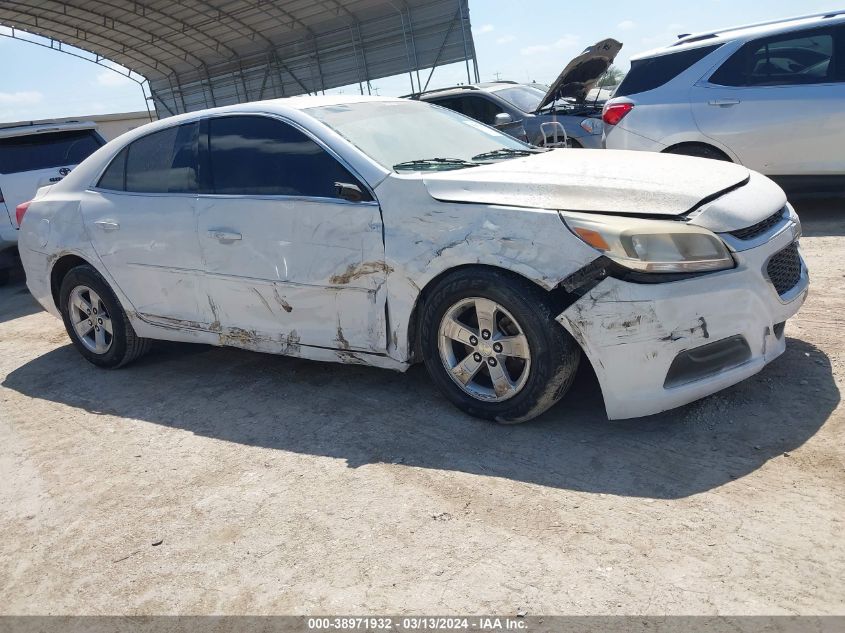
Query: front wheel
[[96, 322], [492, 346]]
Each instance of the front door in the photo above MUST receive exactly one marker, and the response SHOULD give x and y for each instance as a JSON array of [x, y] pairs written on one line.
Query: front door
[[287, 259]]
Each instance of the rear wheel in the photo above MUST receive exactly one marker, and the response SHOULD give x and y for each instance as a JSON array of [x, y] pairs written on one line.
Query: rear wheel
[[96, 322], [5, 275], [699, 150], [492, 346]]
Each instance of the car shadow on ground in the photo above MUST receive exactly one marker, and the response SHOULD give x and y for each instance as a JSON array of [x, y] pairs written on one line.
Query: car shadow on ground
[[365, 415], [15, 299], [821, 217]]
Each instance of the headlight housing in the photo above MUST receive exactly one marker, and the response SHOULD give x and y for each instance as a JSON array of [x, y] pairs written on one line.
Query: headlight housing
[[651, 246], [592, 126]]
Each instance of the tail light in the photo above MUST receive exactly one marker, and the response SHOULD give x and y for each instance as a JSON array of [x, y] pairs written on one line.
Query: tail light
[[20, 210], [1, 196], [615, 112]]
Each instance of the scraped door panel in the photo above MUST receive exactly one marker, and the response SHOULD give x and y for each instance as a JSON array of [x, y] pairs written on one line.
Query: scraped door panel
[[287, 260], [295, 271]]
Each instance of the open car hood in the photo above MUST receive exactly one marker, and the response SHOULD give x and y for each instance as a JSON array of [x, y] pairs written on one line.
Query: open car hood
[[598, 181], [582, 73]]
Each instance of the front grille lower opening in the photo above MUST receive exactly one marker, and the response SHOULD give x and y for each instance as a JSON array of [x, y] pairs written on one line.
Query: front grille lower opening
[[784, 269]]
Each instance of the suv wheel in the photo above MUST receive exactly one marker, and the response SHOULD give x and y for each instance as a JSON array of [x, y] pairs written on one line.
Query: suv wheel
[[95, 321], [699, 150], [492, 346]]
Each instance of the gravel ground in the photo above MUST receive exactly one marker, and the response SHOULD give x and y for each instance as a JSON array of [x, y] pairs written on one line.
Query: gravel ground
[[207, 480]]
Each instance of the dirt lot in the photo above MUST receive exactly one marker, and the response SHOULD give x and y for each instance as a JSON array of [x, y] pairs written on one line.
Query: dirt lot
[[213, 480]]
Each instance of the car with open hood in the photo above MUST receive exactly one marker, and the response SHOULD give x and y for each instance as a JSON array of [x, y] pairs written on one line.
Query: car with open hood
[[566, 113], [303, 227]]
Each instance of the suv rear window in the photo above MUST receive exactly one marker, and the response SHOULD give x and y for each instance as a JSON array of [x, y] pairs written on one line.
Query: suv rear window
[[653, 72], [43, 151]]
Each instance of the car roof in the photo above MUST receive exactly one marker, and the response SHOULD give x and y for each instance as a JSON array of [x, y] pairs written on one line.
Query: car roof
[[748, 31], [43, 127], [485, 86]]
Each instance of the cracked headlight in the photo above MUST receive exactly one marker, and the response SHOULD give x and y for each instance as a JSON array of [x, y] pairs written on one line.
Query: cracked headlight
[[651, 246]]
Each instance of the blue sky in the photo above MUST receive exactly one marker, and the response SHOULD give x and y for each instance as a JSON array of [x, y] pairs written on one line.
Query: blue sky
[[520, 42]]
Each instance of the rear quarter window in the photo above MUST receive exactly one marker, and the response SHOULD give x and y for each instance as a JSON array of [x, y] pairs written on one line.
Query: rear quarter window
[[45, 151], [653, 72]]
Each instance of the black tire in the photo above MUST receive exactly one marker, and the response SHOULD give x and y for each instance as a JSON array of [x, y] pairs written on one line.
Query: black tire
[[554, 353], [699, 150], [126, 346], [5, 276]]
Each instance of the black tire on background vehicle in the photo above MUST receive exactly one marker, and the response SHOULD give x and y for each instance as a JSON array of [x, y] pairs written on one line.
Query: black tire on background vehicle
[[89, 309], [699, 150], [5, 275], [467, 361]]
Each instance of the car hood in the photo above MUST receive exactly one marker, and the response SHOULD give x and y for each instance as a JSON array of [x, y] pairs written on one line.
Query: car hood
[[599, 181], [581, 74]]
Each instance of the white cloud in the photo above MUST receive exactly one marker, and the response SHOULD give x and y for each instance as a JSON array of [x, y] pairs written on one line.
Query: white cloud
[[505, 39], [485, 28], [626, 25], [567, 41], [25, 98], [110, 79]]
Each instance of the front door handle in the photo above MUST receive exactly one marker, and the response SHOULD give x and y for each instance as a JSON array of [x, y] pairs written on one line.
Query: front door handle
[[222, 235], [107, 225], [724, 102]]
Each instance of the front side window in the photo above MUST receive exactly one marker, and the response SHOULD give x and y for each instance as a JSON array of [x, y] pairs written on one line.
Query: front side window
[[653, 72], [257, 155], [161, 162], [45, 151], [785, 60]]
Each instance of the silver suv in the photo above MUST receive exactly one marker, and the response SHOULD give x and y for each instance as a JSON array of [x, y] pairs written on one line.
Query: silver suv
[[34, 155], [770, 96]]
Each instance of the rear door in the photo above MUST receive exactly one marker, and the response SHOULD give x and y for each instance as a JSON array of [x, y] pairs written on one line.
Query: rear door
[[286, 258], [36, 160], [141, 218], [778, 103]]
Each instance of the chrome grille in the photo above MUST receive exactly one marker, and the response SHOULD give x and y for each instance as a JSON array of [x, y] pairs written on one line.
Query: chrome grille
[[750, 232], [784, 269]]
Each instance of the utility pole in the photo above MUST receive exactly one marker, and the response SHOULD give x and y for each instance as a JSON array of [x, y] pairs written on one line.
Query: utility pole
[[498, 75]]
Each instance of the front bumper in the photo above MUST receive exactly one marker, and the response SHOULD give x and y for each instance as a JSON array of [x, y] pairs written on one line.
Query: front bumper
[[632, 333]]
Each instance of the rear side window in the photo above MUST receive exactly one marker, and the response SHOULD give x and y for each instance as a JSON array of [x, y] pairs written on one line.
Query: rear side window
[[653, 72], [45, 151], [255, 155], [161, 162], [785, 60]]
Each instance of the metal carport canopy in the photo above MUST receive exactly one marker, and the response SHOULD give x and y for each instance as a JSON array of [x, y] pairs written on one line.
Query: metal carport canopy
[[202, 53]]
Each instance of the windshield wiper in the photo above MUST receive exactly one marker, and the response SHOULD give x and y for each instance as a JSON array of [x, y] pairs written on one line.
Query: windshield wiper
[[434, 163], [507, 153]]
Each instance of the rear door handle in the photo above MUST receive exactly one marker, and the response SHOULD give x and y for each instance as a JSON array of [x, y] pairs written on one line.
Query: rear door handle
[[107, 225], [222, 235], [724, 102]]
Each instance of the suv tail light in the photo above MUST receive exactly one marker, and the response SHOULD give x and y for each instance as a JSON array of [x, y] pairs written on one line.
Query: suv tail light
[[615, 112], [20, 210]]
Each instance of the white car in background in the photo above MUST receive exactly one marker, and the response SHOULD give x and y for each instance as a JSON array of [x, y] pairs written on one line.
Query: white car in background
[[33, 156], [768, 96], [303, 227]]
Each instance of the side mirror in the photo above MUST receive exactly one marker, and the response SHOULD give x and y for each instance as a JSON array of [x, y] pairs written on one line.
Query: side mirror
[[502, 119], [350, 192]]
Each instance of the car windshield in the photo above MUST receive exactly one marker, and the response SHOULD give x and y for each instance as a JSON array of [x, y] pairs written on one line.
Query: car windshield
[[414, 136], [526, 98]]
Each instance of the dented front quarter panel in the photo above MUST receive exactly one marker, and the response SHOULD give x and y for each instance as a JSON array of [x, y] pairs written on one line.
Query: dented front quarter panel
[[425, 237], [632, 332]]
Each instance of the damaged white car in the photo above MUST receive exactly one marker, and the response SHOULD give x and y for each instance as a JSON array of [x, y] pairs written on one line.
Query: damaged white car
[[385, 232]]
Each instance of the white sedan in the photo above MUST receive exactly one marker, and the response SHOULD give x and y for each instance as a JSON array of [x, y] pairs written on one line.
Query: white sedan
[[386, 232]]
